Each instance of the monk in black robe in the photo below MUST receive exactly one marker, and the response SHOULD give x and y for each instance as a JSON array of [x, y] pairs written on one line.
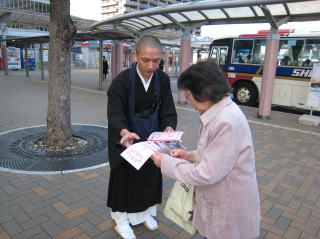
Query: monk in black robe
[[139, 103]]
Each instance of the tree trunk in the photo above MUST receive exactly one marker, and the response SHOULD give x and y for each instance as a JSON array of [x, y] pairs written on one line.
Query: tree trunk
[[61, 39]]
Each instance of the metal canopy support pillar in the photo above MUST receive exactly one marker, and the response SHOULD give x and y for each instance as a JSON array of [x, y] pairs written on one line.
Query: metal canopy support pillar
[[4, 49], [5, 57], [26, 63], [269, 66], [113, 60], [132, 55], [166, 61], [185, 54], [118, 57], [269, 70], [100, 66], [175, 62], [41, 61], [127, 56]]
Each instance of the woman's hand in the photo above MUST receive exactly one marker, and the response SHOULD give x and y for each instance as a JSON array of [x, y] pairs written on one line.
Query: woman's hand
[[128, 138], [183, 154], [178, 153], [157, 157]]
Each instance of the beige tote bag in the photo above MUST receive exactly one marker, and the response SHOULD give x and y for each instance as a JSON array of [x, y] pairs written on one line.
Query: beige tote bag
[[179, 206]]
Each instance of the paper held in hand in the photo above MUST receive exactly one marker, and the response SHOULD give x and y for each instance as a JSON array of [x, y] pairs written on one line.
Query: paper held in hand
[[165, 136], [138, 153]]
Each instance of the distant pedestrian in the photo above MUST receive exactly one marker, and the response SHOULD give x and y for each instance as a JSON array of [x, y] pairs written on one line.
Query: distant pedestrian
[[105, 67]]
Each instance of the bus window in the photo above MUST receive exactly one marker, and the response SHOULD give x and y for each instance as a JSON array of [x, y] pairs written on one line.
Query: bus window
[[290, 52], [241, 50], [214, 53], [258, 52], [311, 53], [223, 55]]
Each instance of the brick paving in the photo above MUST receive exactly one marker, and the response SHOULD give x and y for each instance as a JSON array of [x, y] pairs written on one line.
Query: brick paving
[[73, 205]]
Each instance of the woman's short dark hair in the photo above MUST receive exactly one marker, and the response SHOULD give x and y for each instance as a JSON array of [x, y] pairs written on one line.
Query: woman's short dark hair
[[205, 80]]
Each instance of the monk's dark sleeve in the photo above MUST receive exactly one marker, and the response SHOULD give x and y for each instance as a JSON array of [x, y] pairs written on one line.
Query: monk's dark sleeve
[[117, 120], [167, 111], [118, 103]]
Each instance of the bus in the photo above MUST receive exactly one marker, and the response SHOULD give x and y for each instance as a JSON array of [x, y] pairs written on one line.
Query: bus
[[241, 58]]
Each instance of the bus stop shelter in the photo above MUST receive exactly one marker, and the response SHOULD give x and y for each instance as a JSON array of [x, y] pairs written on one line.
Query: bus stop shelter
[[186, 17], [23, 42]]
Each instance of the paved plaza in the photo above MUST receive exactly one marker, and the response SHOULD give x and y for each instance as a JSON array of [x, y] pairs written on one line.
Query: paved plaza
[[73, 205]]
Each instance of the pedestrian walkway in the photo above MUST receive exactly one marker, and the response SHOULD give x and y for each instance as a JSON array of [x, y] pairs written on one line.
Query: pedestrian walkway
[[73, 205]]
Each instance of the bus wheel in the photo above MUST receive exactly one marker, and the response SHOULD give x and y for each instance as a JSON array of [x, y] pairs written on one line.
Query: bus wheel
[[244, 93]]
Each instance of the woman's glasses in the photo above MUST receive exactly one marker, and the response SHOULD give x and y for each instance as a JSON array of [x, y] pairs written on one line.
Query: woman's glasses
[[187, 94]]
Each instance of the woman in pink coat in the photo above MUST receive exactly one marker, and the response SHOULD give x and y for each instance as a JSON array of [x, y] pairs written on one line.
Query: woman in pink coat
[[226, 200]]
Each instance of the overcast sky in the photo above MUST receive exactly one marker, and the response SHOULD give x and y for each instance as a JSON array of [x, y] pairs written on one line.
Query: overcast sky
[[91, 9]]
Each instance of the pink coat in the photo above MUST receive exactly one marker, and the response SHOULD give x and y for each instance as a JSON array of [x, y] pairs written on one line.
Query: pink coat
[[226, 200]]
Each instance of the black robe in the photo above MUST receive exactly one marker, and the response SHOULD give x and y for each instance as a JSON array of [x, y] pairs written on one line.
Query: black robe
[[131, 190]]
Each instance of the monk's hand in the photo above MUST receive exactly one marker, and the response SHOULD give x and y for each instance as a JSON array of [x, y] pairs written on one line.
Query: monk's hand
[[168, 129], [128, 139], [157, 157]]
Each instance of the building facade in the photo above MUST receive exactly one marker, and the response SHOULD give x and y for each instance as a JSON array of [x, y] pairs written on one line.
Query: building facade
[[111, 8], [29, 18], [22, 17]]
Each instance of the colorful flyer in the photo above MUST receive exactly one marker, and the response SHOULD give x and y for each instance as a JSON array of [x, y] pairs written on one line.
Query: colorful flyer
[[165, 136]]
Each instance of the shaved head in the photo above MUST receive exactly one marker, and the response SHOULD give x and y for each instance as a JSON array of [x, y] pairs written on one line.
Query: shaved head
[[148, 41]]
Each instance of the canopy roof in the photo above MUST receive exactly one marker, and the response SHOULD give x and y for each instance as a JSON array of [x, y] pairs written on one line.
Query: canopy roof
[[185, 16], [194, 14], [82, 36], [18, 16]]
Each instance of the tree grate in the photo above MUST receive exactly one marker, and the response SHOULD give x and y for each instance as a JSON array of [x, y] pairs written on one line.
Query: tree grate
[[20, 153]]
